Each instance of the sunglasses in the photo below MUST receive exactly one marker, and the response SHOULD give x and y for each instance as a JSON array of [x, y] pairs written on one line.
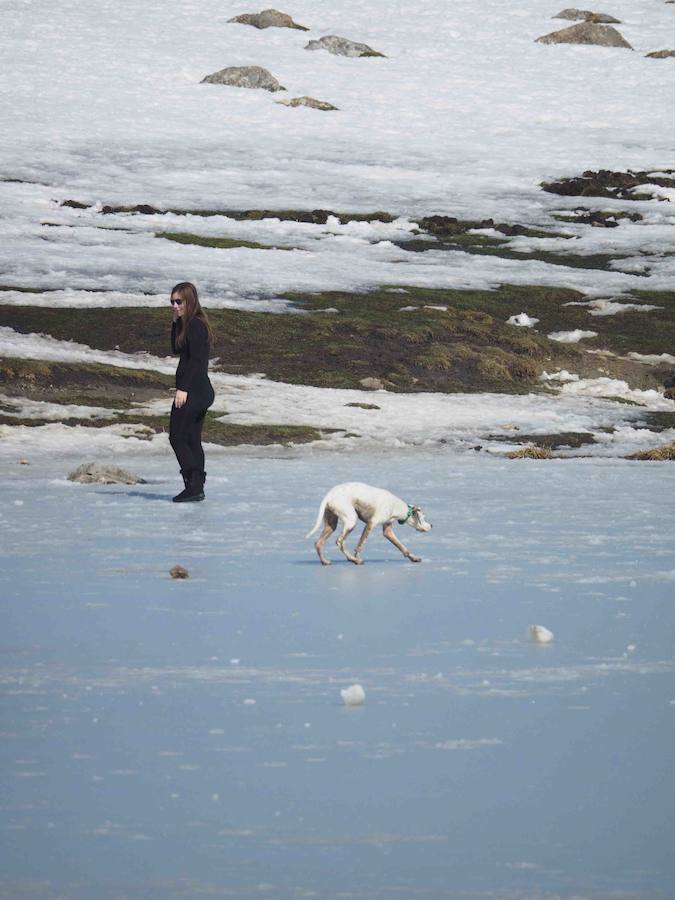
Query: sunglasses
[[175, 302]]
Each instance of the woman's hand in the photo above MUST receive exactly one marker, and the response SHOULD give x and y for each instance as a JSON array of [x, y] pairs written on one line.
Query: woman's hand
[[181, 399]]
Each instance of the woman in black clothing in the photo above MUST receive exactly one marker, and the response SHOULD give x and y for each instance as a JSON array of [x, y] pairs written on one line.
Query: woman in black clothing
[[190, 337]]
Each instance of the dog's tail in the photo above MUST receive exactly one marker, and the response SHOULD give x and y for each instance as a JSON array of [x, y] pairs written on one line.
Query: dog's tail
[[319, 518]]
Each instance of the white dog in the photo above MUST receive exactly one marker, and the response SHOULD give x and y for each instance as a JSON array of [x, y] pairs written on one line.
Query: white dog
[[352, 501]]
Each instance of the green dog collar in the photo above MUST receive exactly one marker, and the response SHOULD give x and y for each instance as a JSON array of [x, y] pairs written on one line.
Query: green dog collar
[[410, 512]]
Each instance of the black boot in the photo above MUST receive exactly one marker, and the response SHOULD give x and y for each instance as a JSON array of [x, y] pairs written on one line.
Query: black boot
[[194, 489]]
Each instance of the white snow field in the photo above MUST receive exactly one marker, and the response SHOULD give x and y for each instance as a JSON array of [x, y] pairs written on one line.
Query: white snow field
[[167, 738], [465, 116]]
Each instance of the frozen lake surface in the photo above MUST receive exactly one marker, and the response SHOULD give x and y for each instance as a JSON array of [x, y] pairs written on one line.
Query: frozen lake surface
[[169, 738]]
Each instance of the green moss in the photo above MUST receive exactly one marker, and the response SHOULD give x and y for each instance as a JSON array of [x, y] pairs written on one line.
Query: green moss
[[219, 243]]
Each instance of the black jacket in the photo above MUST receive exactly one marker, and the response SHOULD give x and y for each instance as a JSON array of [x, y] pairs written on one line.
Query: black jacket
[[192, 372]]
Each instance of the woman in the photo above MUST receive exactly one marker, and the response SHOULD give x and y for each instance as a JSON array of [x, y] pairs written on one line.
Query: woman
[[191, 338]]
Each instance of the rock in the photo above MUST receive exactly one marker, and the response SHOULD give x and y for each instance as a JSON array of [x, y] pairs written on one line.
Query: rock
[[268, 18], [254, 77], [340, 46], [24, 462], [587, 16], [354, 695], [540, 634], [308, 101], [372, 384], [364, 405], [669, 387], [660, 54], [100, 473], [179, 572], [586, 33]]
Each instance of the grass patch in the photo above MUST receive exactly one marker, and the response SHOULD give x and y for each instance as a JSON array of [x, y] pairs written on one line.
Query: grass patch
[[218, 243], [310, 216], [224, 434], [87, 384], [572, 439], [531, 453], [469, 347], [658, 454]]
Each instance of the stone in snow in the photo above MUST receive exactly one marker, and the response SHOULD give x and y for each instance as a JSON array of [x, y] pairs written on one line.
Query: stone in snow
[[308, 101], [660, 54], [340, 46], [354, 695], [587, 15], [254, 77], [179, 572], [539, 634], [268, 18], [586, 33], [100, 473]]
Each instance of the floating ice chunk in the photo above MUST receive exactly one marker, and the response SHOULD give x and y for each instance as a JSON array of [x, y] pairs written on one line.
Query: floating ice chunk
[[571, 337], [354, 695], [523, 320], [249, 701], [540, 634]]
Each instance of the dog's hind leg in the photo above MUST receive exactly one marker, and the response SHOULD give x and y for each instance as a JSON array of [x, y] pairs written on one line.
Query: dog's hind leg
[[390, 536], [364, 537], [329, 525], [348, 526]]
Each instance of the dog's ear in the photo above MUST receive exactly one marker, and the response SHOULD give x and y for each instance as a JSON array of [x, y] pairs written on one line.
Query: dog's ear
[[417, 509]]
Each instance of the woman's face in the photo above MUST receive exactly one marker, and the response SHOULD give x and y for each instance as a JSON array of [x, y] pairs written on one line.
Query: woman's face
[[178, 306]]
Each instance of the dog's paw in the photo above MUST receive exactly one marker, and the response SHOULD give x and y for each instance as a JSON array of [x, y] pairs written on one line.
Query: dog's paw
[[326, 562], [414, 558]]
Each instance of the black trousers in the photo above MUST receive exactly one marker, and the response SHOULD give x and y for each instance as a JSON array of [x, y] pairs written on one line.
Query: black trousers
[[185, 431]]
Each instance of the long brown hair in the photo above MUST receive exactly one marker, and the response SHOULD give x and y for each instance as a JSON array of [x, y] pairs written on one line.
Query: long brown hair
[[191, 310]]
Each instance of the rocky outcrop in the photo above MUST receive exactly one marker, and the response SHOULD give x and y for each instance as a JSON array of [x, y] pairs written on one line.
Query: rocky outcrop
[[587, 33], [268, 18], [605, 183], [254, 77], [340, 46], [660, 54], [101, 473], [311, 102], [587, 16]]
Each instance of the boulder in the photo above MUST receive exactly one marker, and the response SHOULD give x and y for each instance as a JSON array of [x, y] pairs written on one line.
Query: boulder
[[245, 77], [179, 572], [308, 101], [660, 54], [586, 33], [587, 16], [101, 473], [372, 384], [268, 18], [340, 46]]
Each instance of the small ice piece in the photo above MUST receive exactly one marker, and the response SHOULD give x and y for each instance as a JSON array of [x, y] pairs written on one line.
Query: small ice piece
[[540, 634], [249, 701], [234, 661], [523, 320], [354, 695]]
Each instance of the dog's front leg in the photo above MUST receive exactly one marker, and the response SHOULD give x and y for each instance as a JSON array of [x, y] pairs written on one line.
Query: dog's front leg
[[388, 532], [364, 537]]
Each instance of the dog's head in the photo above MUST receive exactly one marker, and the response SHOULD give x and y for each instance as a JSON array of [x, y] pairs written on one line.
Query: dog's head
[[417, 520]]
